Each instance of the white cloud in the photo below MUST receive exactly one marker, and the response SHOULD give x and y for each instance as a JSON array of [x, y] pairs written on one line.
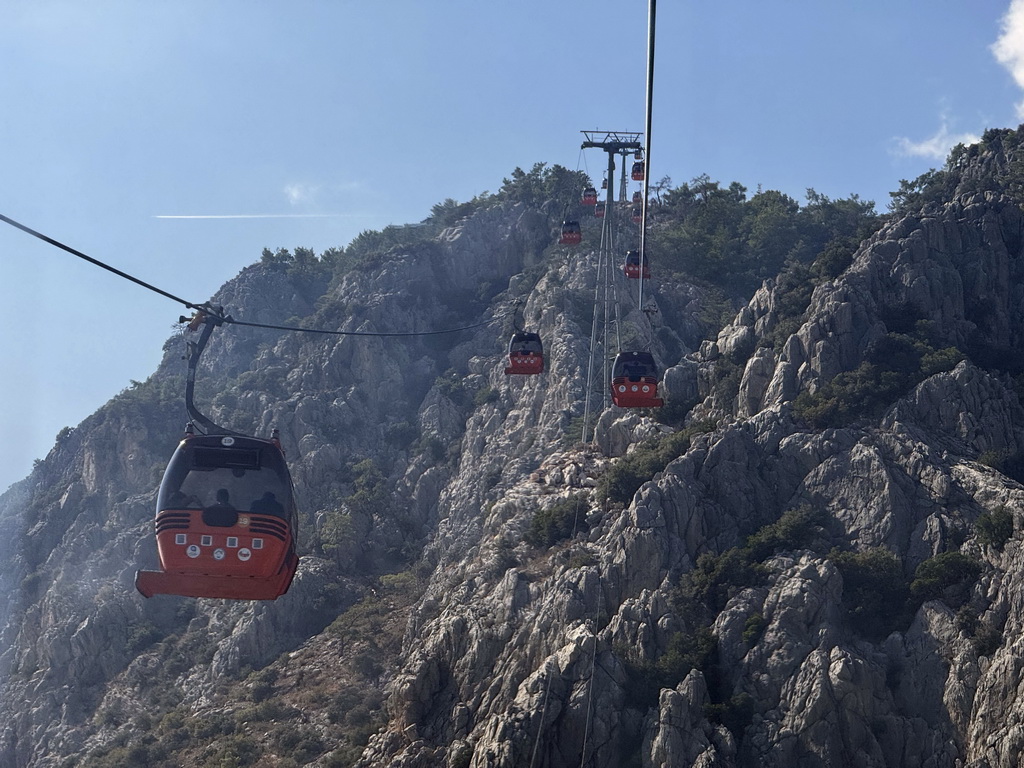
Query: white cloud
[[300, 193], [1009, 47], [936, 146]]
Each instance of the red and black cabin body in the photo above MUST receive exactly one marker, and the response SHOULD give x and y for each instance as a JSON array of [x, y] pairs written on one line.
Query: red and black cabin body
[[525, 354], [633, 269], [225, 521], [599, 210], [589, 196], [638, 171], [635, 381], [571, 233]]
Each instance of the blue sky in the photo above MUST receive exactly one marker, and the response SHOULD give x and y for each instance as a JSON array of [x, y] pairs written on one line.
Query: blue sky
[[176, 140]]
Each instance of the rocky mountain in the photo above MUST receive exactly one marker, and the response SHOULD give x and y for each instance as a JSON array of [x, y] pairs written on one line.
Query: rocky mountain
[[809, 557]]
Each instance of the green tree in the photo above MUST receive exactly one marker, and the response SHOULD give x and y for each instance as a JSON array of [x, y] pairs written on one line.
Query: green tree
[[875, 591], [995, 528]]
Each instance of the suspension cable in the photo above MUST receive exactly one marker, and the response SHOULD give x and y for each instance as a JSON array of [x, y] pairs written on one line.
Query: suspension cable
[[231, 321], [590, 682], [652, 12], [97, 262], [227, 319], [543, 711], [593, 346]]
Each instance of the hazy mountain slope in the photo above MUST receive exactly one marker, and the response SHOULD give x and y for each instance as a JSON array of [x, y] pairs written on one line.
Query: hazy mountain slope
[[815, 564], [807, 646]]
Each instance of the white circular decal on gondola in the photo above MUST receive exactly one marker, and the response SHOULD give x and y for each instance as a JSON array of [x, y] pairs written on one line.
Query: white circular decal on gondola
[[228, 441], [244, 554], [193, 550], [634, 387], [621, 388], [218, 554], [646, 388]]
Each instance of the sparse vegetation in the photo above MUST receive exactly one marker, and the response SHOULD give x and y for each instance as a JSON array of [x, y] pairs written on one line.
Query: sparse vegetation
[[995, 528], [948, 576], [686, 651], [717, 234], [558, 521], [706, 589], [624, 477], [875, 591], [893, 366]]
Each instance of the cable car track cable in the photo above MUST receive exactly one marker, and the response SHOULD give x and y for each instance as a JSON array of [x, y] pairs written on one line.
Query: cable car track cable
[[649, 110], [231, 321], [227, 319], [96, 262]]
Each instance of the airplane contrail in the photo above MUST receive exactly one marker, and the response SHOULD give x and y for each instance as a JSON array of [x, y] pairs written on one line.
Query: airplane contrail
[[261, 216]]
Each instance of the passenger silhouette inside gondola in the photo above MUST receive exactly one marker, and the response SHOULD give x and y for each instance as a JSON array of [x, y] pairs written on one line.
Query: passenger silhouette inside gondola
[[267, 505], [634, 371], [221, 514]]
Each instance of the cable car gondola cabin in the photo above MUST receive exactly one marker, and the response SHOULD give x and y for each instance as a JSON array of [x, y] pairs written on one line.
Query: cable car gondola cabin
[[638, 171], [589, 196], [638, 198], [599, 211], [637, 214], [525, 354], [633, 269], [635, 381], [571, 233], [225, 521]]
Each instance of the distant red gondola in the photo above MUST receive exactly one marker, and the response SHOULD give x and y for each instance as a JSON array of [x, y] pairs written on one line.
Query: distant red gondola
[[638, 171], [589, 196], [633, 268], [635, 381], [637, 214], [571, 233], [525, 354], [638, 198], [599, 211]]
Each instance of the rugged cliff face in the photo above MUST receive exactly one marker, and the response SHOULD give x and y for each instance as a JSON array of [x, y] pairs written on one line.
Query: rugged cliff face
[[813, 561]]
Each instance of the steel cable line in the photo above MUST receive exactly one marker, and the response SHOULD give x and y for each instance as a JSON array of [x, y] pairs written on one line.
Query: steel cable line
[[218, 312], [231, 321], [652, 13], [91, 260]]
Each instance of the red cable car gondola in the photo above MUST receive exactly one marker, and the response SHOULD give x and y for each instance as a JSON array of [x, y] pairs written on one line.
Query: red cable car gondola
[[637, 214], [633, 268], [638, 198], [571, 233], [635, 381], [589, 196], [638, 171], [525, 354], [225, 512], [599, 210]]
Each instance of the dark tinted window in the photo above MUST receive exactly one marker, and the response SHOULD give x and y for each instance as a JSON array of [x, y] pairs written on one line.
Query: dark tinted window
[[231, 458]]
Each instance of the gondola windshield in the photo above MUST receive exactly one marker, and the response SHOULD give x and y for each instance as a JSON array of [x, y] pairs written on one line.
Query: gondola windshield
[[525, 343], [246, 479], [635, 366]]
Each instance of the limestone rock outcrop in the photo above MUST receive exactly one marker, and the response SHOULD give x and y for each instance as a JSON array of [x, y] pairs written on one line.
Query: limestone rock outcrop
[[781, 583]]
